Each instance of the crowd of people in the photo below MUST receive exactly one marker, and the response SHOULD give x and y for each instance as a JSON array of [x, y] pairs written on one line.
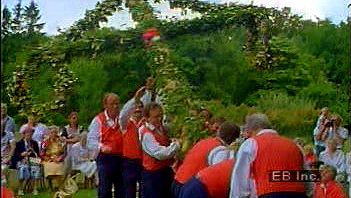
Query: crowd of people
[[129, 153]]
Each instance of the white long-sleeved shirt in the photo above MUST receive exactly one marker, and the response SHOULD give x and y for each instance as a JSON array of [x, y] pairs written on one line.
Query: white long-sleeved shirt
[[337, 160], [219, 154], [130, 105], [153, 148], [93, 137], [242, 185], [348, 166]]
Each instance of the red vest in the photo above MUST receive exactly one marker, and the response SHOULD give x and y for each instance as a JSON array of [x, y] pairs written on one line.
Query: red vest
[[275, 153], [216, 178], [150, 163], [110, 136], [332, 190], [131, 143], [196, 159]]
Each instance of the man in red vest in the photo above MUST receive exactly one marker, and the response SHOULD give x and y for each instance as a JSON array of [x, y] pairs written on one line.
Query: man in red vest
[[205, 153], [211, 182], [328, 187], [265, 151], [105, 138], [158, 154], [132, 111]]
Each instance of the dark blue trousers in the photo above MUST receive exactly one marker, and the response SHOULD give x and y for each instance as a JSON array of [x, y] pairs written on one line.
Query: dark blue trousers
[[110, 173], [193, 189], [176, 188], [284, 195], [157, 184], [131, 175]]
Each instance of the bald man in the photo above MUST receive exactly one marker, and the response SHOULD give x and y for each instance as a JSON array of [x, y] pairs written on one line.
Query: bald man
[[105, 138]]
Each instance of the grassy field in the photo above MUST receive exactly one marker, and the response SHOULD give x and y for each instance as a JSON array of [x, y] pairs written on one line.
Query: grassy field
[[83, 193]]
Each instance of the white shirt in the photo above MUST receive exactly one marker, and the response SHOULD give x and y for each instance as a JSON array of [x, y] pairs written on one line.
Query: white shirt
[[343, 133], [153, 148], [242, 185], [219, 154], [348, 166], [130, 105], [337, 160], [93, 137], [6, 142]]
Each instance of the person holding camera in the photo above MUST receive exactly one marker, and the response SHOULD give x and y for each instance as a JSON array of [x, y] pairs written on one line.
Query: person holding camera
[[330, 128], [321, 133]]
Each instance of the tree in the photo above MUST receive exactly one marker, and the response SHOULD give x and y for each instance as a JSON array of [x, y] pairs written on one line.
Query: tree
[[17, 22], [6, 22], [31, 17]]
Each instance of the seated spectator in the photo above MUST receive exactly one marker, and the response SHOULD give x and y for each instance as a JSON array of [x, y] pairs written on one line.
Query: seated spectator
[[83, 159], [8, 144], [70, 133], [39, 129], [328, 187], [311, 159], [53, 154], [333, 157], [27, 170], [6, 120], [72, 130]]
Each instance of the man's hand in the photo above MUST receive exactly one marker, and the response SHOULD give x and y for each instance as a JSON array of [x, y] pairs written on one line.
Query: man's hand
[[106, 149], [139, 93], [24, 154], [150, 83]]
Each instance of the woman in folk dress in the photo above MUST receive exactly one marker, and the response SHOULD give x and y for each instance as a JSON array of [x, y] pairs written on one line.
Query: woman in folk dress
[[53, 155]]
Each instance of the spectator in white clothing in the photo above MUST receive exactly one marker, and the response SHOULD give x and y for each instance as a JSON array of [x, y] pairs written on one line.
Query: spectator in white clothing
[[348, 170], [83, 158], [333, 157], [6, 120]]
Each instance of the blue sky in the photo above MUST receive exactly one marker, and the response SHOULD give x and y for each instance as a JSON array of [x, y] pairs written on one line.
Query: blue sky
[[63, 13]]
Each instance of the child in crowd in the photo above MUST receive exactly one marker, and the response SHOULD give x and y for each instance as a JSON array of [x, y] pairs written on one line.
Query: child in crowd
[[310, 157]]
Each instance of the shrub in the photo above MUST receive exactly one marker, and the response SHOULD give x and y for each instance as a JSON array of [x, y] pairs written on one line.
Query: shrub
[[90, 90]]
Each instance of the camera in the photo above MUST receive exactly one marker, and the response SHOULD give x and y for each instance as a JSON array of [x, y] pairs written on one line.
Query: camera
[[330, 123]]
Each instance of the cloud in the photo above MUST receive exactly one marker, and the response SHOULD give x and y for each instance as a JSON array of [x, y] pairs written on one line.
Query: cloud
[[63, 13]]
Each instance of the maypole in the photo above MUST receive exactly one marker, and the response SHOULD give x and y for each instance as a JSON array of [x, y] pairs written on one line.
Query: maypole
[[177, 96]]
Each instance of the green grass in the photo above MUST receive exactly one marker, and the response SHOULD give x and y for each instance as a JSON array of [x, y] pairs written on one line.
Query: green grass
[[82, 193]]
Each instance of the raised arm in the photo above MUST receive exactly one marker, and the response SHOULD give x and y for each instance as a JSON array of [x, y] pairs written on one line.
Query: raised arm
[[128, 108]]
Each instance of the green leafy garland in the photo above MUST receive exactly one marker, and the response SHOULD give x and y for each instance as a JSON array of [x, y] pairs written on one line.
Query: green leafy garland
[[54, 55]]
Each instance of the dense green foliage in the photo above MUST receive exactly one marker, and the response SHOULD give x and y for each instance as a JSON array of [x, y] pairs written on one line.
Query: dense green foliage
[[307, 70]]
